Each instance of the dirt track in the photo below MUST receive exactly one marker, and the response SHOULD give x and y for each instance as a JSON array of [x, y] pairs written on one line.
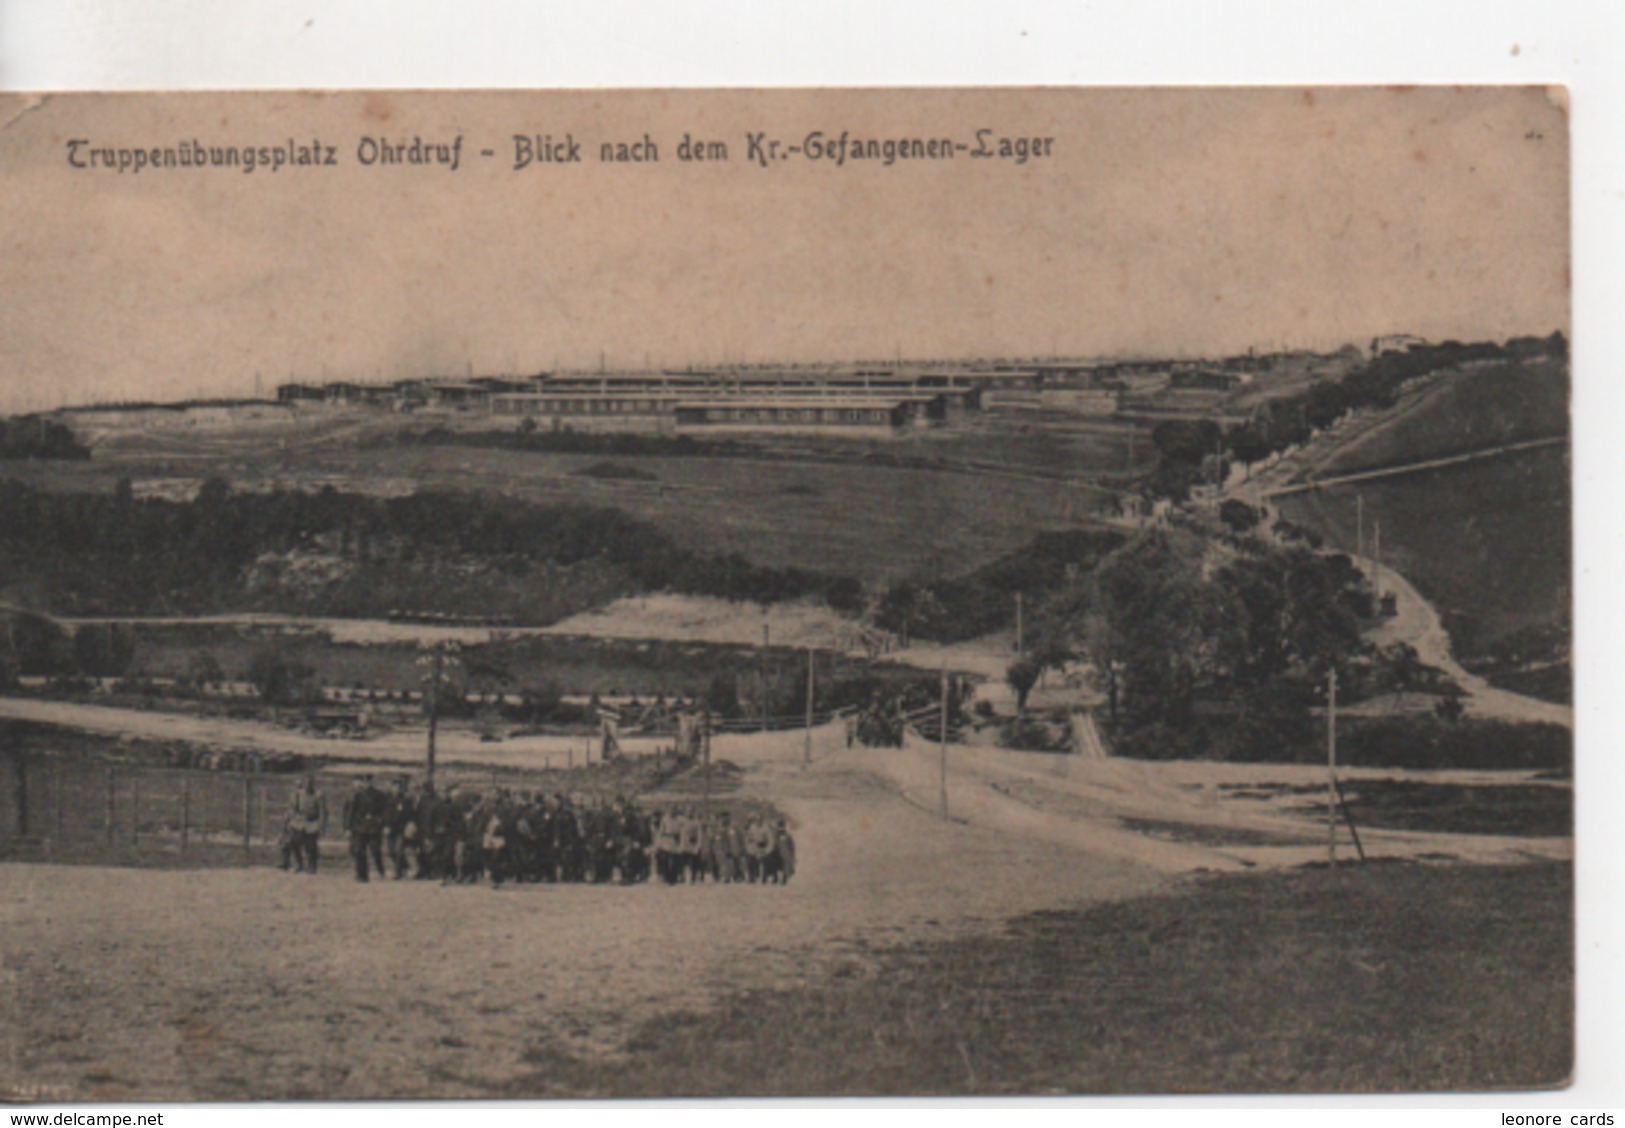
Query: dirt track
[[256, 984], [224, 984]]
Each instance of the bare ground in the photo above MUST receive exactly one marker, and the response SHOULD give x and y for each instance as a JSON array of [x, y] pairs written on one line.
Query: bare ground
[[220, 984], [255, 984]]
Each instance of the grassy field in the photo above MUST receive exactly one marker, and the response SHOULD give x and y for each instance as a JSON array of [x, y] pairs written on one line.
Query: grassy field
[[1487, 542], [1467, 410], [936, 503], [1363, 979]]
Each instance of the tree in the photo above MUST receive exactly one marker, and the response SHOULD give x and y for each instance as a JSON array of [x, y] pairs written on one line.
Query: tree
[[1022, 675], [280, 680], [1162, 625], [1248, 444], [722, 695], [1240, 516], [203, 671]]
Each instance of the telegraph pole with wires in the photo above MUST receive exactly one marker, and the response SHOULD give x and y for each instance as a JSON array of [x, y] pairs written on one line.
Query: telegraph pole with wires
[[942, 747], [764, 676], [1331, 768], [806, 747], [705, 754]]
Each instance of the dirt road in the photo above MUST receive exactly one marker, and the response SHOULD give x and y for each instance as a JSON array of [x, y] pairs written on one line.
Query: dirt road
[[255, 984], [400, 746], [249, 984]]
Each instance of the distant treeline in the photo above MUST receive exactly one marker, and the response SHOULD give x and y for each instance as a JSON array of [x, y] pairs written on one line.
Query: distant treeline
[[116, 554], [35, 436], [1187, 450]]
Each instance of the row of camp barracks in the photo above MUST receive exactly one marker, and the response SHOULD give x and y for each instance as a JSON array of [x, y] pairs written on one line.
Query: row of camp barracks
[[790, 400]]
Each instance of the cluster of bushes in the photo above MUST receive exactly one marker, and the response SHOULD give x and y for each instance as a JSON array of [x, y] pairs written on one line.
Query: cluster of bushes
[[36, 437], [984, 601], [115, 554]]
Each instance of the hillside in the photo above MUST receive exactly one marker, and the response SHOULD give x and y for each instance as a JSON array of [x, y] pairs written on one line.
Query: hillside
[[1471, 408], [1488, 542]]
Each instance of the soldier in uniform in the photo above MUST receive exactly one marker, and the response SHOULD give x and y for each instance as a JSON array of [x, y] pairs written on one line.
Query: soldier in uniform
[[633, 843], [307, 821], [567, 840], [522, 844], [446, 828], [758, 849], [547, 854], [669, 845], [401, 816], [471, 846], [785, 848], [428, 802], [497, 837], [722, 849], [364, 815], [693, 845]]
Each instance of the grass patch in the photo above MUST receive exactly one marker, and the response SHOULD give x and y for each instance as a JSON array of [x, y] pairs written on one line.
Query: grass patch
[[1386, 978], [1217, 837], [1487, 542], [1533, 811]]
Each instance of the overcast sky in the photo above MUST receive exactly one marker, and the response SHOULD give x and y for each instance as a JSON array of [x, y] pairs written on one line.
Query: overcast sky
[[1163, 222]]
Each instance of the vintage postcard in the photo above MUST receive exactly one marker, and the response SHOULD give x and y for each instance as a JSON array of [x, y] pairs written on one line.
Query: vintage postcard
[[759, 593]]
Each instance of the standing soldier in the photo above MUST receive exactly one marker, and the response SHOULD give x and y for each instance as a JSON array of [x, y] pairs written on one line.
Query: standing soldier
[[567, 837], [364, 814], [428, 845], [446, 828], [401, 816], [471, 847], [693, 843], [633, 841], [785, 847], [668, 841], [734, 852], [497, 838], [307, 822], [758, 849]]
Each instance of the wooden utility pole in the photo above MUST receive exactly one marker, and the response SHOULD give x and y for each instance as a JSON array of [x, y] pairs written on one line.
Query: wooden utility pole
[[1376, 560], [705, 755], [806, 747], [942, 747], [1359, 528], [1331, 768], [764, 676], [435, 668]]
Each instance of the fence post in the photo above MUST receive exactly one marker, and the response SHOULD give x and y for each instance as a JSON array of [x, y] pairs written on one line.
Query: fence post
[[186, 807], [112, 784], [248, 810], [265, 827], [18, 764], [135, 809]]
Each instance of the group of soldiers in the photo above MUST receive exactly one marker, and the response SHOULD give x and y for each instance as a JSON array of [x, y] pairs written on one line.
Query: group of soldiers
[[459, 835]]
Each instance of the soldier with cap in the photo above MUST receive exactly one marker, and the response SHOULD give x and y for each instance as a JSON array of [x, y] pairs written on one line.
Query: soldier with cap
[[759, 845], [446, 833], [307, 821], [364, 814], [785, 847], [401, 826]]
